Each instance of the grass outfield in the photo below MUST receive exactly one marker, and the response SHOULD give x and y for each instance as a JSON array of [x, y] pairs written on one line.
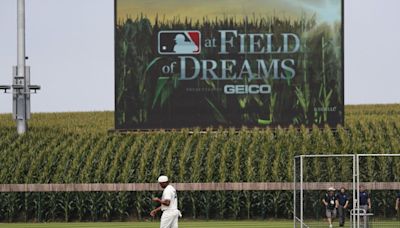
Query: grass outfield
[[257, 224], [236, 224]]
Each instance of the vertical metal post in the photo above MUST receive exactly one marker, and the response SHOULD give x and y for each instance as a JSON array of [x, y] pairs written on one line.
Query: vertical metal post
[[21, 84], [20, 98], [301, 193]]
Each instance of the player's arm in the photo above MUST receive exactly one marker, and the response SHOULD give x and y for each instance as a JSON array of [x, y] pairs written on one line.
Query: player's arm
[[337, 203], [346, 205], [155, 211], [165, 202], [397, 204], [369, 203], [167, 197], [324, 201]]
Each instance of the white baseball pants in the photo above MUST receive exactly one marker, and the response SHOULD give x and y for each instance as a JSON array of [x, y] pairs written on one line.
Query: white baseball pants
[[169, 219]]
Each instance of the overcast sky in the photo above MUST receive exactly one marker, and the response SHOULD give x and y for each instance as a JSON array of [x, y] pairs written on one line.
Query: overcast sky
[[70, 44]]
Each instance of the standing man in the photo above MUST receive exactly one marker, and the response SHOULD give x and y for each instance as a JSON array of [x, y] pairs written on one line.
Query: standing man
[[365, 200], [168, 205], [331, 203], [365, 203], [343, 205]]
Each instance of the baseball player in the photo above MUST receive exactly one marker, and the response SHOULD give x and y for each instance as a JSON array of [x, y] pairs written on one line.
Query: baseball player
[[168, 205]]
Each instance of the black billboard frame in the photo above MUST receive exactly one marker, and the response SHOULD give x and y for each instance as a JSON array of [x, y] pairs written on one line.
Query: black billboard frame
[[138, 129]]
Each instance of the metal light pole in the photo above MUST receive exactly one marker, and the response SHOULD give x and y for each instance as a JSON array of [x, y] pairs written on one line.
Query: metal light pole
[[21, 87], [20, 98]]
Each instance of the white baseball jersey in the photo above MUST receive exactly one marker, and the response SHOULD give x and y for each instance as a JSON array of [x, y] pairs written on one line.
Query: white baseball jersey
[[169, 193]]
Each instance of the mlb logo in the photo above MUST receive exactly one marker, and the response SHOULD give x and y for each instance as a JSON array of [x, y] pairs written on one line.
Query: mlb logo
[[179, 42]]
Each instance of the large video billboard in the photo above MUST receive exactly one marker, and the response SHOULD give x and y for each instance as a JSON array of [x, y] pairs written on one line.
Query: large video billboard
[[231, 63]]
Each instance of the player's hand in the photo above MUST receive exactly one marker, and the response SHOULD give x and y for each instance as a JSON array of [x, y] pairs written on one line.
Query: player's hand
[[157, 200], [153, 213], [397, 208]]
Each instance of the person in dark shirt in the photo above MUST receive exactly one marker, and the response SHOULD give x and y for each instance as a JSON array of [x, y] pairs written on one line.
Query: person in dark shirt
[[331, 203], [343, 205], [365, 200]]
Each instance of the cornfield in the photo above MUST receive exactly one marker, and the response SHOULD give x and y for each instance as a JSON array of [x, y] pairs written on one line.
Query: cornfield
[[77, 148]]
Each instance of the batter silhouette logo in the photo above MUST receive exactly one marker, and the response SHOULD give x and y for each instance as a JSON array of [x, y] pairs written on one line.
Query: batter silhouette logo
[[179, 42]]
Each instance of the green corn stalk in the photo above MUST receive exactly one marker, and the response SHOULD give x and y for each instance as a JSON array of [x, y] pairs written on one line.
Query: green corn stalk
[[331, 165], [195, 171], [66, 205], [324, 94], [37, 204], [158, 159], [304, 94], [172, 150], [80, 205], [105, 206], [134, 45], [346, 168], [81, 154], [293, 138], [276, 197], [12, 203], [223, 171], [51, 164], [182, 178], [264, 170], [158, 166], [35, 168], [236, 169], [113, 174], [128, 174], [119, 159], [87, 175], [250, 169], [52, 206], [142, 173], [210, 171], [94, 200]]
